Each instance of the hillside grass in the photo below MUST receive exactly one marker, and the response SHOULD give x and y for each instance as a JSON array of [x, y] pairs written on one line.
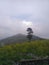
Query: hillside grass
[[15, 52]]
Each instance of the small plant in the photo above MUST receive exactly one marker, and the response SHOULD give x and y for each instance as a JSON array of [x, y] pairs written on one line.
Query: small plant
[[16, 52]]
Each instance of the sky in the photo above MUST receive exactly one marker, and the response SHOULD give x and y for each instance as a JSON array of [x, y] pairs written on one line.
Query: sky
[[17, 15]]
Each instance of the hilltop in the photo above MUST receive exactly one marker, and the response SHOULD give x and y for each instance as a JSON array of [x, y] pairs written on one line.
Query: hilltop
[[19, 38]]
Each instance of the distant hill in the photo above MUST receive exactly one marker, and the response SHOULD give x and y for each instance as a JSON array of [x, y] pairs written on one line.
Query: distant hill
[[17, 39]]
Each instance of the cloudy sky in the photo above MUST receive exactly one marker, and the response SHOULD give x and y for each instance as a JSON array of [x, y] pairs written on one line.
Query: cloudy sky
[[17, 15]]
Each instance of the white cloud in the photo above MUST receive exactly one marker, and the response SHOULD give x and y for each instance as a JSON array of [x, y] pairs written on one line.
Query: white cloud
[[13, 13], [10, 26]]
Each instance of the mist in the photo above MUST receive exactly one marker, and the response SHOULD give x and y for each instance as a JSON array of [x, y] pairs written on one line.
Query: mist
[[17, 15]]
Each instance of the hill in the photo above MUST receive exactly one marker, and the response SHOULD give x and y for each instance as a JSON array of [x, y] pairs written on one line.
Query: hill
[[10, 54], [19, 38]]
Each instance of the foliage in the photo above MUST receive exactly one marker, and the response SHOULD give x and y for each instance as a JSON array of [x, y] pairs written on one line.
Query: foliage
[[30, 32], [12, 53]]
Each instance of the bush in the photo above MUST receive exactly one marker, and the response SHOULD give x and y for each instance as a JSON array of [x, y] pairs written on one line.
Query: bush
[[16, 52]]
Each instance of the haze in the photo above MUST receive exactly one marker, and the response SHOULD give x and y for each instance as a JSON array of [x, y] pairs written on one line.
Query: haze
[[17, 15]]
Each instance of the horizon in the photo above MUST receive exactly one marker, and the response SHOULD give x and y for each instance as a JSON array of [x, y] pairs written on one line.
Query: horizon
[[24, 35], [17, 15]]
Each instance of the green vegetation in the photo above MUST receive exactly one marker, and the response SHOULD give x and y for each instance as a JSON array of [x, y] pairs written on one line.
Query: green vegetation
[[15, 52]]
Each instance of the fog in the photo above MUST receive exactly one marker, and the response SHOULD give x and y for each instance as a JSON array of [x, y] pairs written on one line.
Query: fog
[[17, 15]]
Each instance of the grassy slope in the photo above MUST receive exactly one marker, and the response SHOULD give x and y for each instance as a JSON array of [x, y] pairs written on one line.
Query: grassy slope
[[16, 52]]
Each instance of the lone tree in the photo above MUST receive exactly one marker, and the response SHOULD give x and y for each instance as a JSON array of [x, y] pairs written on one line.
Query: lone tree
[[30, 32]]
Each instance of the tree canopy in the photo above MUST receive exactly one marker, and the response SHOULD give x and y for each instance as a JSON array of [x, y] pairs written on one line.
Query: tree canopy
[[30, 32]]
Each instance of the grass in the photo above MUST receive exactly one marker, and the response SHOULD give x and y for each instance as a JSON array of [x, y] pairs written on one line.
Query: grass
[[15, 52]]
